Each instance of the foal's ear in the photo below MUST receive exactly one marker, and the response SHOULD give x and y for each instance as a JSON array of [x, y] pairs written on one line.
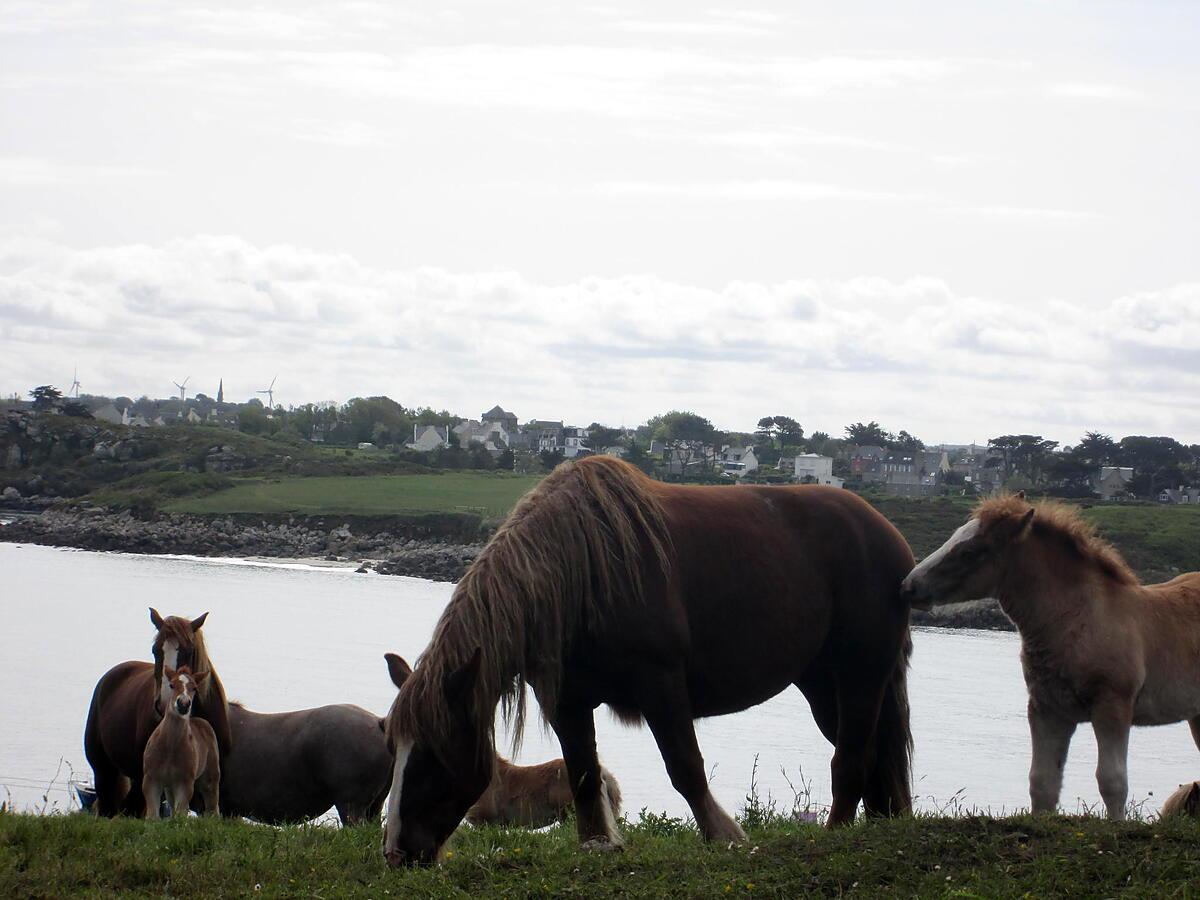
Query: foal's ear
[[155, 618], [1021, 494], [459, 681], [198, 622], [1026, 523], [398, 669]]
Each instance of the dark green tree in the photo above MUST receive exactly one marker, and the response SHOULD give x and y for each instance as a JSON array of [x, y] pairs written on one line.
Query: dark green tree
[[45, 398]]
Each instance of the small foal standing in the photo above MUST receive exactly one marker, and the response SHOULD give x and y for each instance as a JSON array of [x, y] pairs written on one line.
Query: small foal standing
[[182, 752], [1096, 645]]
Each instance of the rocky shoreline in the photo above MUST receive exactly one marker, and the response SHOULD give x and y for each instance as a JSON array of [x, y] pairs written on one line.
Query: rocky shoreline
[[420, 548], [405, 550]]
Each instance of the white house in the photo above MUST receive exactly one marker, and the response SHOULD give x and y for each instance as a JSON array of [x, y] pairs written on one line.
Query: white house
[[575, 442], [429, 437], [737, 461], [813, 468]]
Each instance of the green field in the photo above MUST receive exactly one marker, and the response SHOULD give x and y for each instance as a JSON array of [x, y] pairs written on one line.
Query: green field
[[1159, 542], [489, 494], [58, 856]]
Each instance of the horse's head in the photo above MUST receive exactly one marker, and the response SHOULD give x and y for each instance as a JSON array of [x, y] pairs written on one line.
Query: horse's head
[[435, 780], [969, 565], [179, 692], [177, 643]]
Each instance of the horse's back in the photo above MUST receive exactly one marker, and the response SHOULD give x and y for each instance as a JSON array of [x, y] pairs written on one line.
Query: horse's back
[[293, 766], [769, 578]]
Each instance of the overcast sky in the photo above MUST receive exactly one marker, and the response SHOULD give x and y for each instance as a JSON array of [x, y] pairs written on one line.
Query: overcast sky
[[973, 219]]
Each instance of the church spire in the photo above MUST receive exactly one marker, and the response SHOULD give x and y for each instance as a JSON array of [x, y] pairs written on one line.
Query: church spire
[[221, 392]]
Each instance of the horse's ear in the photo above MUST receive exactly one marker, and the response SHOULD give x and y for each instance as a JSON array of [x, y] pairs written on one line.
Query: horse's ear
[[1021, 494], [1026, 523], [459, 681], [168, 672], [1192, 803], [198, 622], [397, 668], [155, 618]]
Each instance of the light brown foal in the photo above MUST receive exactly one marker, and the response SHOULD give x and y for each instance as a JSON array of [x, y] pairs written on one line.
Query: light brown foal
[[534, 796], [181, 755], [1096, 645]]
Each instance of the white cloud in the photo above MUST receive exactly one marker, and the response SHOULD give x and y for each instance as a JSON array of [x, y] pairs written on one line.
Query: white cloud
[[1090, 91], [740, 190], [911, 353], [36, 171]]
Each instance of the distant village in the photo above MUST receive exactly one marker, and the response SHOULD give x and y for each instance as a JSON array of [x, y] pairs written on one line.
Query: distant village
[[681, 445]]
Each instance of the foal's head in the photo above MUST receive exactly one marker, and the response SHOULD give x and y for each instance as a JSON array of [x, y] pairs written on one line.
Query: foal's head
[[435, 777], [180, 690], [969, 565], [177, 643]]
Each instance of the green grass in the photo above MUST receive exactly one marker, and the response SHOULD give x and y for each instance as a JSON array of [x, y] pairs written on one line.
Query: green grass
[[1158, 541], [490, 494], [55, 856]]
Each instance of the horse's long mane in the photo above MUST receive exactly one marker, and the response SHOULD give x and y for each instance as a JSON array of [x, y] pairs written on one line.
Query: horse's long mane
[[211, 692], [1065, 523], [577, 546]]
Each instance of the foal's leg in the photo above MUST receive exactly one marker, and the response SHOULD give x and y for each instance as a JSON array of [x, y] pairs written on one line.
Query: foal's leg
[[670, 719], [1051, 740], [152, 791], [594, 819], [1111, 720]]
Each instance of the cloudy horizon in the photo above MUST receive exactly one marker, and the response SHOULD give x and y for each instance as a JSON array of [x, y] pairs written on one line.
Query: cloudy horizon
[[961, 222]]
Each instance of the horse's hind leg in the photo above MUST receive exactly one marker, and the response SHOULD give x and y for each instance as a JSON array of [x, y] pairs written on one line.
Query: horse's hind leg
[[1194, 724], [858, 713], [669, 716], [576, 730]]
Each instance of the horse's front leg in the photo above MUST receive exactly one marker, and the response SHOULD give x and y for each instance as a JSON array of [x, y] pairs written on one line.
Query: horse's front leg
[[1051, 740], [576, 730], [668, 711], [1111, 720]]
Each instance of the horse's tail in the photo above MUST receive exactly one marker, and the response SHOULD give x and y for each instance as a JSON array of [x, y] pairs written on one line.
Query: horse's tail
[[890, 779]]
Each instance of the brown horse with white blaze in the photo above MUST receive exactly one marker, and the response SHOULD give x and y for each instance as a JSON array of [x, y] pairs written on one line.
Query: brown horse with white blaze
[[668, 603], [1096, 645], [127, 706]]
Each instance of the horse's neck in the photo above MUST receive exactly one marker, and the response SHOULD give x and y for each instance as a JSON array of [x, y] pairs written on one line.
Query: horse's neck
[[1038, 587]]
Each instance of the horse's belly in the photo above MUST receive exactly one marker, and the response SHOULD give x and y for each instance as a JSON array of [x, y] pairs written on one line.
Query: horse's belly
[[1166, 705]]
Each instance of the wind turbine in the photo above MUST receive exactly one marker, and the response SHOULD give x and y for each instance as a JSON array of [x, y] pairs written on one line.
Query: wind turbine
[[182, 391], [75, 385], [270, 392]]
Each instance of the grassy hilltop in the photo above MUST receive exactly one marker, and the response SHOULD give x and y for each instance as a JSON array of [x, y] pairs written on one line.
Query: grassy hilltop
[[55, 856]]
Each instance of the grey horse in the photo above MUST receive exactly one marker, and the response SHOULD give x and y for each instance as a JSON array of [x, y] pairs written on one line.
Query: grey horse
[[294, 766]]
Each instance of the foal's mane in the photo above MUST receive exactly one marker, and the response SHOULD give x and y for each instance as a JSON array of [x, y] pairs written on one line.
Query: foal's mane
[[575, 549], [1065, 523], [211, 692]]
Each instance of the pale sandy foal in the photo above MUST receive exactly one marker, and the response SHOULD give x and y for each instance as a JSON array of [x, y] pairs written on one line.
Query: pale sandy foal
[[534, 796], [182, 753], [1096, 645], [1184, 802]]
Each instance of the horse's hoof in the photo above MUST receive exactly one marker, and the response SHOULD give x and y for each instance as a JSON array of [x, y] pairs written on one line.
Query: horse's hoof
[[602, 845]]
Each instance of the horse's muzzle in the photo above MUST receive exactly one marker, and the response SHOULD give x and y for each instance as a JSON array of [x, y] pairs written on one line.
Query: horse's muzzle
[[913, 593]]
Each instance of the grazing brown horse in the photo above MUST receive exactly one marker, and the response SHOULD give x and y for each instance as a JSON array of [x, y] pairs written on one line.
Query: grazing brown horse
[[667, 603], [533, 796], [293, 766], [1096, 645], [127, 706], [181, 755]]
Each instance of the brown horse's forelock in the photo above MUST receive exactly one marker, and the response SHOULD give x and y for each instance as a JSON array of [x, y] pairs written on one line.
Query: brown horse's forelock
[[569, 554], [1064, 522], [180, 630]]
